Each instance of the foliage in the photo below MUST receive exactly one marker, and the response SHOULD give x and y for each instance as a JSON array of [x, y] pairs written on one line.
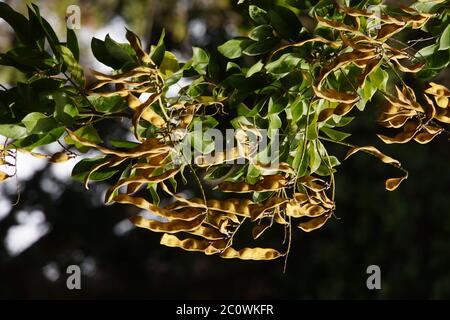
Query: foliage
[[303, 82]]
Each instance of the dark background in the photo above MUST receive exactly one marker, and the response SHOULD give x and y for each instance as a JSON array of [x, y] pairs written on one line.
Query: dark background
[[406, 232]]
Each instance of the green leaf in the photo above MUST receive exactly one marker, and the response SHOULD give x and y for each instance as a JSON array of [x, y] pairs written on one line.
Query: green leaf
[[444, 43], [122, 52], [122, 143], [253, 174], [261, 32], [274, 122], [82, 169], [327, 165], [258, 15], [111, 53], [259, 197], [50, 34], [261, 47], [298, 108], [207, 122], [283, 65], [87, 132], [257, 67], [38, 140], [74, 68], [335, 134], [285, 23], [153, 189], [157, 52], [435, 64], [65, 110], [427, 51], [13, 131], [200, 60], [217, 172], [277, 104], [72, 43], [379, 78], [101, 54], [108, 104], [170, 64], [37, 123], [28, 59], [301, 160], [18, 22], [314, 157], [232, 49]]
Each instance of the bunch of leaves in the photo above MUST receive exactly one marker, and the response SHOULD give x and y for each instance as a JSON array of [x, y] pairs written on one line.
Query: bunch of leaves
[[303, 82]]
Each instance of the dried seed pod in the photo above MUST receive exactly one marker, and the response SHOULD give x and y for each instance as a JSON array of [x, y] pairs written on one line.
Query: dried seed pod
[[314, 223], [188, 214], [251, 254], [173, 226], [393, 183], [188, 244], [375, 152], [60, 157]]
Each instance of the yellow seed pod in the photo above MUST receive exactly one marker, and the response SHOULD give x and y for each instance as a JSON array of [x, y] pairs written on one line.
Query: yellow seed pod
[[60, 157], [393, 183], [3, 176], [173, 226], [251, 254], [314, 223]]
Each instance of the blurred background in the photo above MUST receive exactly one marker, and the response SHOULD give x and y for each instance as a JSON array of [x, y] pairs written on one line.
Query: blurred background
[[56, 223]]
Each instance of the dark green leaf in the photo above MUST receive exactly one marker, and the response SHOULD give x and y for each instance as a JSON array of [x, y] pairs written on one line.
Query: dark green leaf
[[233, 48], [261, 32], [285, 23], [261, 47], [82, 168], [157, 52], [65, 110], [18, 22], [72, 43], [258, 15]]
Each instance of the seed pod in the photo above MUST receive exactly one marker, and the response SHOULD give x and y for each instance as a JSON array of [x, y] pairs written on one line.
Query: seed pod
[[251, 254], [188, 244], [314, 223], [173, 226], [393, 183], [4, 176], [60, 157], [188, 214]]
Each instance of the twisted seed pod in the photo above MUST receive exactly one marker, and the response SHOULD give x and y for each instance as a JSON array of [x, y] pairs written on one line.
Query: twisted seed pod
[[251, 254], [187, 214], [173, 226], [188, 244], [314, 223]]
